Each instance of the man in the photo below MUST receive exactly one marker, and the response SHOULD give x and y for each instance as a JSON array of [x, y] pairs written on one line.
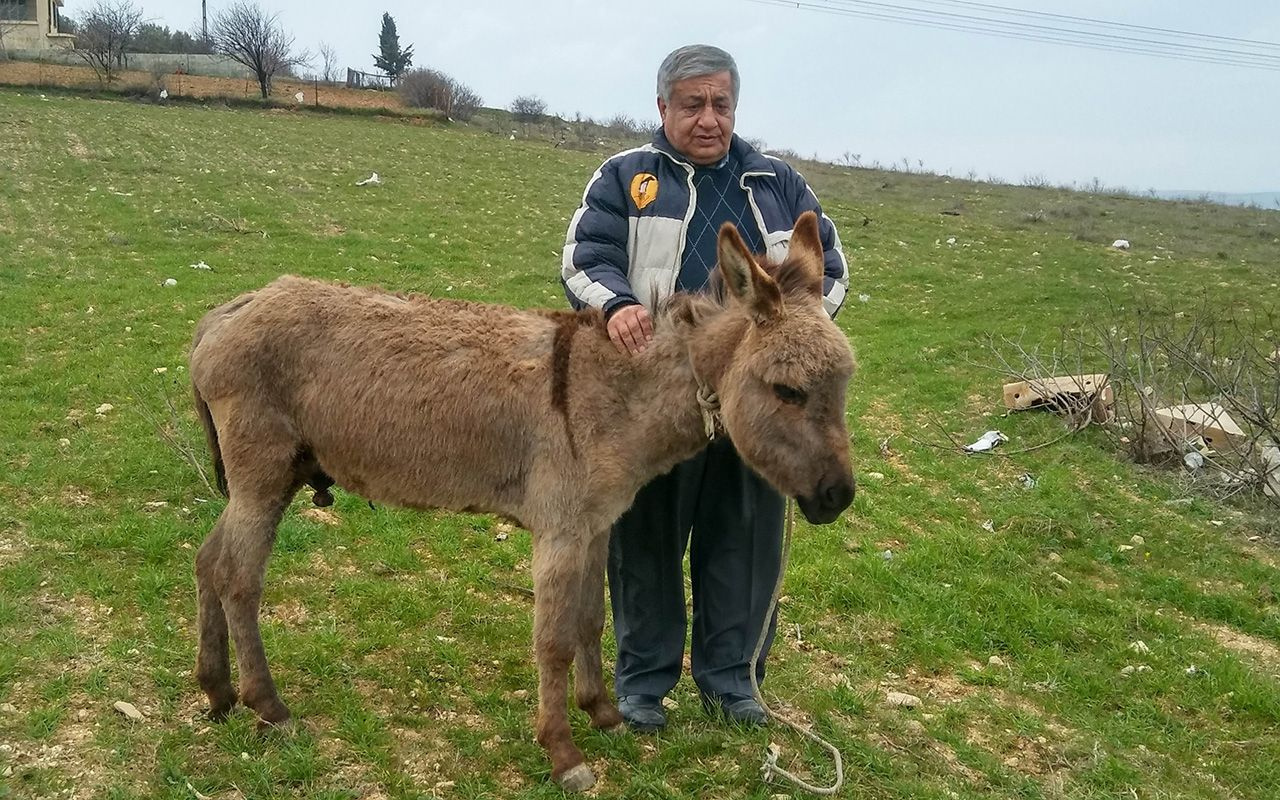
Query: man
[[646, 228]]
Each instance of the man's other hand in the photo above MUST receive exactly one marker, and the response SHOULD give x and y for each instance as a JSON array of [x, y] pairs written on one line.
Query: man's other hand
[[631, 329]]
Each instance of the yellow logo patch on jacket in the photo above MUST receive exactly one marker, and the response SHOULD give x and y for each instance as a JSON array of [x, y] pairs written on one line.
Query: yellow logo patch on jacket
[[644, 189]]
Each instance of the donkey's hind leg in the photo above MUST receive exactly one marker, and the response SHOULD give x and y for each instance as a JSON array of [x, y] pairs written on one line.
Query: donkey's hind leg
[[588, 670], [251, 529], [260, 454], [557, 575], [213, 659]]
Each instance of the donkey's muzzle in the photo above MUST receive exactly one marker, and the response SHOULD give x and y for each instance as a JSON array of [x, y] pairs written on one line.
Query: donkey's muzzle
[[828, 501]]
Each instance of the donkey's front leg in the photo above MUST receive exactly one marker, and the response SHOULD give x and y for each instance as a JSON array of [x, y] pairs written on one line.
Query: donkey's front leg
[[558, 563], [588, 678]]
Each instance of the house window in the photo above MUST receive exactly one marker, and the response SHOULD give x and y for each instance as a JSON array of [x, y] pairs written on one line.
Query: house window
[[18, 9]]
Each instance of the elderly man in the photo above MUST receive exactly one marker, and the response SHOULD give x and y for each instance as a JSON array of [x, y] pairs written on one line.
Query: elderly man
[[646, 228]]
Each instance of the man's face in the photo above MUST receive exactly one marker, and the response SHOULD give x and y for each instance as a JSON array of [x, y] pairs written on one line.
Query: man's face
[[699, 119]]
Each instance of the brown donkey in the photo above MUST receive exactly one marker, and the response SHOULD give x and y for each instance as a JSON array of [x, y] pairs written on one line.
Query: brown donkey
[[429, 403]]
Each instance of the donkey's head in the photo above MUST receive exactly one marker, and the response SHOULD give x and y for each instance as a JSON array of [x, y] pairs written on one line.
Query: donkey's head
[[780, 367]]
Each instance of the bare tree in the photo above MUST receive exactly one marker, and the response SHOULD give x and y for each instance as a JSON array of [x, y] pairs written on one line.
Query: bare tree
[[105, 32], [328, 62], [250, 36]]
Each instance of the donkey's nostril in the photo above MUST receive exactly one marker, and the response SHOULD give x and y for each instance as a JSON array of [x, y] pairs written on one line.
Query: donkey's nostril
[[839, 494]]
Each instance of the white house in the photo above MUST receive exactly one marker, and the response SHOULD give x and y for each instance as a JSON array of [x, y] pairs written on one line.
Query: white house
[[29, 25]]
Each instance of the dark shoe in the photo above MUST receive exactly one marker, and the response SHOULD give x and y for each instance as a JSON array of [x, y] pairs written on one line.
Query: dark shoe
[[741, 709], [643, 713]]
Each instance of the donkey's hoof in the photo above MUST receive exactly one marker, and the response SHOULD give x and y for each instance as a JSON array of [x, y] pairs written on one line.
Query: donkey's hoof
[[322, 498], [578, 779], [219, 711]]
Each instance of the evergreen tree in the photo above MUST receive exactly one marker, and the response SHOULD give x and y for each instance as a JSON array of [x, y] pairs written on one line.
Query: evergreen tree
[[392, 59]]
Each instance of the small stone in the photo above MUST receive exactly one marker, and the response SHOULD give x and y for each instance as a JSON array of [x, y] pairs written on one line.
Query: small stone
[[995, 661], [1124, 548], [1061, 579], [104, 409], [129, 710], [902, 700], [915, 727], [989, 526], [1129, 670], [244, 756], [1054, 558], [887, 555], [8, 708], [159, 370], [873, 476], [1140, 647], [170, 282], [1138, 540]]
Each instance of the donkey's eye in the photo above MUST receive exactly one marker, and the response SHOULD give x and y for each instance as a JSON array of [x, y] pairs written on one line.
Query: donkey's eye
[[789, 394]]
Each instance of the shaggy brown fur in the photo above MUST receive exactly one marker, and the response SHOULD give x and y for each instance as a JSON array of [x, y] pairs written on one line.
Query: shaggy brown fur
[[429, 403]]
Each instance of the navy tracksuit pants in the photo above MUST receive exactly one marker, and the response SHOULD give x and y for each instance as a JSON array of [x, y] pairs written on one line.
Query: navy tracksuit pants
[[731, 521]]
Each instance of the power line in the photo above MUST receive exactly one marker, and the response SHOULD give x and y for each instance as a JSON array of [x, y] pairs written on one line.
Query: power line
[[1038, 33], [1099, 22], [1034, 28]]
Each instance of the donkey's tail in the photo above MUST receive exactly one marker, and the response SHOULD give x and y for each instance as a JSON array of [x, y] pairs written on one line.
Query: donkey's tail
[[211, 432]]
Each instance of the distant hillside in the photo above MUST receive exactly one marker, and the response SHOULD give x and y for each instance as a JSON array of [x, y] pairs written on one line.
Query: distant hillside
[[1268, 200]]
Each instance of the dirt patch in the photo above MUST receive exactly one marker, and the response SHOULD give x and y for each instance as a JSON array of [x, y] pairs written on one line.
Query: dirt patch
[[35, 74], [1242, 643]]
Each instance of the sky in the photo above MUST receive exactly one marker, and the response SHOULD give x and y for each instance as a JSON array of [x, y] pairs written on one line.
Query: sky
[[828, 85]]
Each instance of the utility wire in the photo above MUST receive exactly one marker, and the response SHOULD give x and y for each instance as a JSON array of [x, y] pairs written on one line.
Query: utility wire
[[1099, 22], [1013, 30], [1034, 28]]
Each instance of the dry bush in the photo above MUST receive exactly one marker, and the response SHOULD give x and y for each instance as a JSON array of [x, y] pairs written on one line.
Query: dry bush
[[528, 108], [1159, 357], [430, 88]]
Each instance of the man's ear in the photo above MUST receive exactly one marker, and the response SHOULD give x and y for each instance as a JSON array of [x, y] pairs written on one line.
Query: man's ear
[[744, 278]]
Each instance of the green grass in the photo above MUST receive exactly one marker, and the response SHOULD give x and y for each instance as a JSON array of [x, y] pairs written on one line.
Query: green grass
[[402, 639]]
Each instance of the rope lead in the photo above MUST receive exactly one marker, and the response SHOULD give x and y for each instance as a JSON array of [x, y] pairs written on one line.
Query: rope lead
[[770, 766]]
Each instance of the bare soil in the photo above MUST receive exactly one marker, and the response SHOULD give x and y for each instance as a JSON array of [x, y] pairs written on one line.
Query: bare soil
[[40, 75]]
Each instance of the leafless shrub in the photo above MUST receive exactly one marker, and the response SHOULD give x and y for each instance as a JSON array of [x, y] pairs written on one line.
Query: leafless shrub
[[528, 108], [328, 62], [429, 88], [105, 32], [250, 36], [1157, 358]]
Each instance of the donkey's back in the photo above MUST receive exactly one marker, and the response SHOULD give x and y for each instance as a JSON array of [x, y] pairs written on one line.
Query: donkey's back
[[410, 400]]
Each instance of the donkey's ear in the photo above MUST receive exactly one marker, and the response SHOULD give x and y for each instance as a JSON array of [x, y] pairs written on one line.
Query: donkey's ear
[[805, 250], [744, 278]]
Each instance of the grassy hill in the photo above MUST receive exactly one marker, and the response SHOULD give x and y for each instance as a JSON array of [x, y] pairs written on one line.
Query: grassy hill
[[402, 639]]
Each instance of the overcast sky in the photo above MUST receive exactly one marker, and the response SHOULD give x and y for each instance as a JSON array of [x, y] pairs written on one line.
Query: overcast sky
[[823, 84]]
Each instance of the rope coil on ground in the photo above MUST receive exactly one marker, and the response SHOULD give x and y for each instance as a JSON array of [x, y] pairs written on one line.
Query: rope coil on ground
[[770, 766]]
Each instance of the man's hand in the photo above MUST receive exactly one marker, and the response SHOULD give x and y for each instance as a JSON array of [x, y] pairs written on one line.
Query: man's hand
[[631, 329]]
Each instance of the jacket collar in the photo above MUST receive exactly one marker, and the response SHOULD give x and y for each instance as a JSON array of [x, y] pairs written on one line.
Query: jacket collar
[[753, 162]]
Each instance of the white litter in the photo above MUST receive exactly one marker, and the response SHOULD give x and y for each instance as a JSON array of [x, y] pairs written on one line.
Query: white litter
[[988, 441], [300, 97], [951, 240], [864, 298], [201, 265], [1121, 244], [164, 94], [1028, 480], [170, 282], [1193, 460], [372, 180]]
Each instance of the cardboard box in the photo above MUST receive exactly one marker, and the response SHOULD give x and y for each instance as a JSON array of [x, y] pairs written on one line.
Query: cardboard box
[[1064, 393], [1208, 420]]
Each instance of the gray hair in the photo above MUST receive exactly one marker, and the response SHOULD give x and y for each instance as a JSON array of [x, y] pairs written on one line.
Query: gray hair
[[694, 61]]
